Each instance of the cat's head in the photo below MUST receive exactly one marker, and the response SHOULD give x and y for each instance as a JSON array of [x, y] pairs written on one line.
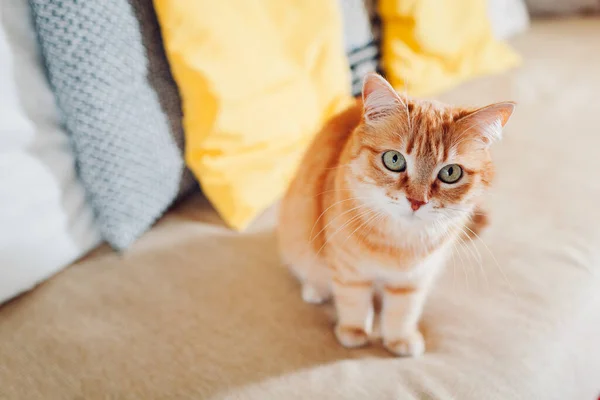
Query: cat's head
[[422, 160]]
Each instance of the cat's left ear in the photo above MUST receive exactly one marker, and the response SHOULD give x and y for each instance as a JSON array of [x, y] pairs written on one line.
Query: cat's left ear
[[379, 98], [486, 123]]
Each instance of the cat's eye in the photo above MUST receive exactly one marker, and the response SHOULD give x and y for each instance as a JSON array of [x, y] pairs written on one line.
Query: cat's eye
[[450, 173], [394, 161]]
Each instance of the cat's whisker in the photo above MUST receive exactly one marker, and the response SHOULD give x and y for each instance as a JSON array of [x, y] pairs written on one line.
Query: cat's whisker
[[368, 221], [458, 210], [447, 236], [472, 250], [479, 256], [468, 250], [336, 167], [359, 215], [373, 223], [455, 248], [323, 230], [462, 262], [463, 265], [476, 255], [465, 248], [311, 237], [312, 196], [330, 191], [453, 268], [505, 277]]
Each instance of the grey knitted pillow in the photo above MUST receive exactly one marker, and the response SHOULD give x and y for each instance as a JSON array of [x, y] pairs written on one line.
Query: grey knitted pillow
[[161, 80], [97, 64]]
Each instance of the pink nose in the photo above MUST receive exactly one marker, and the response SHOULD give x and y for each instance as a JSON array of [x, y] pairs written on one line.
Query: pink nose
[[415, 204]]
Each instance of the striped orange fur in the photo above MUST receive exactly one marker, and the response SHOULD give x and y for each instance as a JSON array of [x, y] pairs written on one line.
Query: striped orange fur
[[381, 194]]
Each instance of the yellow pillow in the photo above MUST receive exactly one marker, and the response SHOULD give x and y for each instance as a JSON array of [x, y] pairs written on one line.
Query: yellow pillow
[[431, 45], [257, 81]]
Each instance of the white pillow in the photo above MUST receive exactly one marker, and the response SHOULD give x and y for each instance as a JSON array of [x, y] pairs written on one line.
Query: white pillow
[[508, 17], [45, 223]]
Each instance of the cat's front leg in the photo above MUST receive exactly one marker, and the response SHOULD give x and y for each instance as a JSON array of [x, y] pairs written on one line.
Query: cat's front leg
[[354, 306], [402, 309]]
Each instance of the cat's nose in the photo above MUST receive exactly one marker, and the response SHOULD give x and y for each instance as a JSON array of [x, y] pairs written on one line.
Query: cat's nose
[[415, 204]]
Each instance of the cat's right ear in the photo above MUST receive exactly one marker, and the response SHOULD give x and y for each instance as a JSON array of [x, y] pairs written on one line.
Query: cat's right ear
[[379, 98]]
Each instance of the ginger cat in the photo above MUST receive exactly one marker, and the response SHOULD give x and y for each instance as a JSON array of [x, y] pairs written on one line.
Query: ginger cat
[[381, 194]]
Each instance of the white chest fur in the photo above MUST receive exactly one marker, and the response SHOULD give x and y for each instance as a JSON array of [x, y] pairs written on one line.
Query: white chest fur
[[400, 275]]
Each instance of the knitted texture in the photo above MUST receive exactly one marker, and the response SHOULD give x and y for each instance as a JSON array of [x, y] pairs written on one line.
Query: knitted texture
[[161, 80], [126, 157]]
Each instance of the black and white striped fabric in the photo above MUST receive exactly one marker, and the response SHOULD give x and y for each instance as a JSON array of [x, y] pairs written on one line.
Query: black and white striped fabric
[[361, 46]]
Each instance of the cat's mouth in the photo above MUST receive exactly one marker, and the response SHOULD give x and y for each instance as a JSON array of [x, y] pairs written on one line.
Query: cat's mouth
[[413, 216], [405, 212]]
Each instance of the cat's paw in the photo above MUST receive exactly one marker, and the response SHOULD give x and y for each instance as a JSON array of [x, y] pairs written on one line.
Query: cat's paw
[[351, 336], [409, 345], [312, 295]]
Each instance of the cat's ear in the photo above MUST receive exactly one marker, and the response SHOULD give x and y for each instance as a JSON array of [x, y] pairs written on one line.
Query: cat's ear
[[485, 124], [379, 98]]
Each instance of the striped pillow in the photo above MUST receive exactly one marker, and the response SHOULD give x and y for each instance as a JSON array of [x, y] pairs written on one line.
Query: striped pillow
[[361, 47]]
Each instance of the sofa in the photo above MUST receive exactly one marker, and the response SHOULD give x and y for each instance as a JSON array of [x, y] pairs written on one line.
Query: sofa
[[194, 310]]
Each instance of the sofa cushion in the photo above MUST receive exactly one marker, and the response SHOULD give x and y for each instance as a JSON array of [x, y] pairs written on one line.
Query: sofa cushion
[[98, 67], [257, 83], [361, 49], [429, 46]]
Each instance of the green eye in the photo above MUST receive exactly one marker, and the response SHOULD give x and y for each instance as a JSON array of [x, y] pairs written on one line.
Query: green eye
[[394, 161], [450, 173]]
